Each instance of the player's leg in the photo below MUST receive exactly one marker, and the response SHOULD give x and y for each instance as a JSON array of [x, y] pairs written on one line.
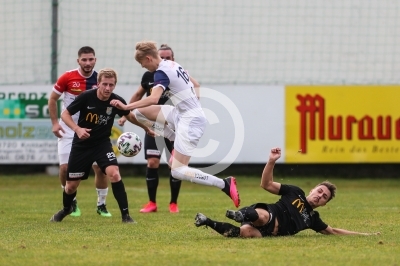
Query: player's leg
[[152, 155], [101, 183], [225, 229], [188, 134], [155, 117], [175, 184], [64, 149], [79, 164], [107, 161]]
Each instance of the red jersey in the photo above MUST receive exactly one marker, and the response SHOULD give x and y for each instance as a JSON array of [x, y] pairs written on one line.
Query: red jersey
[[71, 84]]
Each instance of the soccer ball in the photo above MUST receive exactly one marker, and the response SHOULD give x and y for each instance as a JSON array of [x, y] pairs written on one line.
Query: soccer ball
[[129, 144]]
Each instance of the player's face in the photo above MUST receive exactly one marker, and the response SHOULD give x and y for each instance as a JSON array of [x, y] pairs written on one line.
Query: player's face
[[86, 63], [149, 63], [318, 196], [166, 54], [105, 88]]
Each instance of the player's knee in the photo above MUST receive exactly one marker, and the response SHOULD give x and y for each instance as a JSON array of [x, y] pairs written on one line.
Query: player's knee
[[153, 163], [113, 174], [248, 231], [71, 187], [139, 116], [263, 217]]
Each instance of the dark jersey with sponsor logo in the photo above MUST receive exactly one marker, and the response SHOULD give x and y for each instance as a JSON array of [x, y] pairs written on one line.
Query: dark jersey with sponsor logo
[[147, 84], [95, 114], [294, 213]]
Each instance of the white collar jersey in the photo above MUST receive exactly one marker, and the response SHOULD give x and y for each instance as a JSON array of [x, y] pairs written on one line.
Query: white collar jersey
[[182, 94]]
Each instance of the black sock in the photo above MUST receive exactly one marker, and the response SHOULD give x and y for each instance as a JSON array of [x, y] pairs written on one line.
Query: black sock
[[152, 183], [249, 214], [225, 229], [119, 192], [67, 200], [175, 185]]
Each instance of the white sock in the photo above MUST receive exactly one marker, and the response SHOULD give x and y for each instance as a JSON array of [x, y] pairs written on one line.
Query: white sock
[[160, 128], [101, 196], [197, 176]]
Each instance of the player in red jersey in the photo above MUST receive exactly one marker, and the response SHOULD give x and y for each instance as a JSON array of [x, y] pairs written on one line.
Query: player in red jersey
[[71, 84]]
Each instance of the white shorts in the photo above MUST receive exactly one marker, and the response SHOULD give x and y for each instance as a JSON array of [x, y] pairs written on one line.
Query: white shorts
[[189, 128], [64, 149]]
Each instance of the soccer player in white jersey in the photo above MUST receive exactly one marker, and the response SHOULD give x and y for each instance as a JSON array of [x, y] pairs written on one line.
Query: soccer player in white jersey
[[183, 123], [71, 84]]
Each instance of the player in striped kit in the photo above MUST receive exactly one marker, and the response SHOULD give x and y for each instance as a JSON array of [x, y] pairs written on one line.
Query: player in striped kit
[[183, 123], [71, 84]]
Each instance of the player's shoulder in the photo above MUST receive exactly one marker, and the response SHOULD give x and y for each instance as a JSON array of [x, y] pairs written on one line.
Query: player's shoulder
[[115, 96], [286, 188]]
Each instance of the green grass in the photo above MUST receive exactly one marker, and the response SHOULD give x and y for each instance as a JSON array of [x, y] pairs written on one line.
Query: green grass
[[28, 238]]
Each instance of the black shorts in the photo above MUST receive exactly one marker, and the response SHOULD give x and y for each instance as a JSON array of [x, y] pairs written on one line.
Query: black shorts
[[81, 160], [150, 146], [268, 228]]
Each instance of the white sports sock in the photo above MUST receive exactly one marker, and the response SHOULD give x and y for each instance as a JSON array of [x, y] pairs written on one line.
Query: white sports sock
[[197, 176], [160, 128], [101, 196]]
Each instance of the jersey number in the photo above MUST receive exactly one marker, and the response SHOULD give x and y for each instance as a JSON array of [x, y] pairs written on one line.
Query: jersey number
[[182, 74]]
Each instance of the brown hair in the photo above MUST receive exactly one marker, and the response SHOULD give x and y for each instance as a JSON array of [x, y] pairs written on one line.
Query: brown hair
[[86, 50], [107, 73], [330, 186], [145, 48], [166, 47]]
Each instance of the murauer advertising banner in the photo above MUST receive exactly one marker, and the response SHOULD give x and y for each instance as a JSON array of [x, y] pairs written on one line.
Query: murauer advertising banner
[[342, 124]]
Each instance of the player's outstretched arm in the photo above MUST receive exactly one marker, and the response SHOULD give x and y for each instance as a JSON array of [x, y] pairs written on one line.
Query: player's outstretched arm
[[140, 92], [337, 231], [267, 178], [151, 100], [131, 118], [56, 128]]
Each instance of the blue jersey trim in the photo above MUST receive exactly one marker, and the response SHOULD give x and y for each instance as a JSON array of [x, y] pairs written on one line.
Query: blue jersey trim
[[160, 78]]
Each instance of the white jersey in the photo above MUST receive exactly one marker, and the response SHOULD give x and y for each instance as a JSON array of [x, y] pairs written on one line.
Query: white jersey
[[182, 94]]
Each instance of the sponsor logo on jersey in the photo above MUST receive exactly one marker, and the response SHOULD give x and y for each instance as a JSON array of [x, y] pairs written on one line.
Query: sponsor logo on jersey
[[109, 110], [92, 118]]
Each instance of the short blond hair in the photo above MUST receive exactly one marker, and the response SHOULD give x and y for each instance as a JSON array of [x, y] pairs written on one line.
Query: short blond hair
[[145, 48], [107, 73]]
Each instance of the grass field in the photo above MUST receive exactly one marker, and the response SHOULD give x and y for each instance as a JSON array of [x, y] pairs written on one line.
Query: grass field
[[28, 238]]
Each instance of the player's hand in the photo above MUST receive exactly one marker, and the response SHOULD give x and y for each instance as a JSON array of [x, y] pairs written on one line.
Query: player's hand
[[122, 121], [56, 130], [83, 133], [118, 104], [151, 133], [275, 154]]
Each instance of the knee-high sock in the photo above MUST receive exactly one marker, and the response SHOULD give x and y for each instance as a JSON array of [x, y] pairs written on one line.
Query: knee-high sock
[[175, 185], [67, 200], [152, 183], [197, 176], [249, 214], [225, 229], [160, 128], [119, 192]]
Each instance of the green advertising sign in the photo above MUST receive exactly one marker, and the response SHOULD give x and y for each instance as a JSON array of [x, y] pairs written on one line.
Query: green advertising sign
[[25, 108]]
